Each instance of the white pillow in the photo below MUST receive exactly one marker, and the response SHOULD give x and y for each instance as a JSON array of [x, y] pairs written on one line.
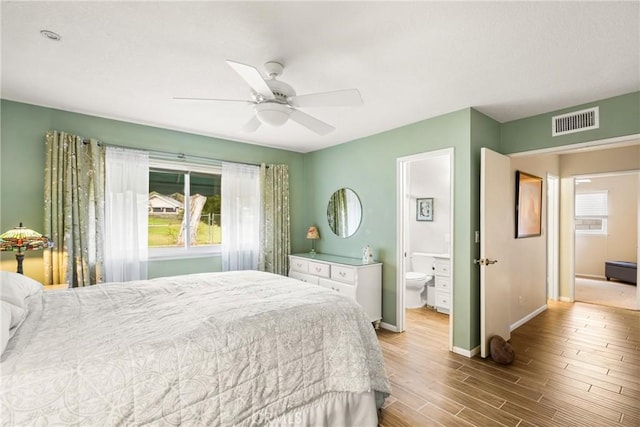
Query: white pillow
[[17, 314], [5, 324], [16, 288]]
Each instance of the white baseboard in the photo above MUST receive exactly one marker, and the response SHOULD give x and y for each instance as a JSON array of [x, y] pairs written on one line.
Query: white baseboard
[[466, 353], [591, 276], [528, 317], [388, 327], [566, 299]]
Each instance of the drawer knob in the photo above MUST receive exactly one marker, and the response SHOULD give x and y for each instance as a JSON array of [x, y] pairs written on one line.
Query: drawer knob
[[342, 273]]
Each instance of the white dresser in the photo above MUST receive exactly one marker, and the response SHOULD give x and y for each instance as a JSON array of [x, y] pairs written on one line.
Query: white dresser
[[442, 274], [349, 276]]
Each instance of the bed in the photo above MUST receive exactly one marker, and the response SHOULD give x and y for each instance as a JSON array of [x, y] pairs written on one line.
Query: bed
[[621, 270], [236, 348]]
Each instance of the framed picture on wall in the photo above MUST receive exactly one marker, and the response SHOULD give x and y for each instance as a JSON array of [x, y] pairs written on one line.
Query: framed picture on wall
[[424, 209], [528, 205]]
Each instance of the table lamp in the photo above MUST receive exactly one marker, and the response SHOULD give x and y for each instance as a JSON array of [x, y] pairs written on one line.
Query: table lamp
[[21, 239], [313, 235]]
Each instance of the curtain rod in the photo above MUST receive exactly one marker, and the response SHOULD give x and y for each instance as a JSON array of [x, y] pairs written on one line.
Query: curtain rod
[[168, 155]]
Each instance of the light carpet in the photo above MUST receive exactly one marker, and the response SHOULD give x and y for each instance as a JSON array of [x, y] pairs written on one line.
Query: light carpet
[[602, 292]]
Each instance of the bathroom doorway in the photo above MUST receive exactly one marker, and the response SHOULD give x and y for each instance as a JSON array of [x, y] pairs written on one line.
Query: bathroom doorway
[[425, 234]]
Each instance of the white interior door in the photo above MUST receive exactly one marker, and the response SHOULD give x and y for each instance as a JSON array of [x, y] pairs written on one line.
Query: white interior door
[[496, 231]]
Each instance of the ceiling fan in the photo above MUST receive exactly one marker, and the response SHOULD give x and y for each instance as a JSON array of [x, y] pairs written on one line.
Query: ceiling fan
[[275, 102]]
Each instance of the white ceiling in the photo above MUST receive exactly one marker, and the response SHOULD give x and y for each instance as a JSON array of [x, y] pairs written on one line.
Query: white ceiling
[[410, 60]]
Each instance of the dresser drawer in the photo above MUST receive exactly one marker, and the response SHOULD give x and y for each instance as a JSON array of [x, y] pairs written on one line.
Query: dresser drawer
[[343, 274], [304, 277], [343, 288], [443, 283], [346, 276], [443, 299], [298, 264], [319, 269], [442, 267]]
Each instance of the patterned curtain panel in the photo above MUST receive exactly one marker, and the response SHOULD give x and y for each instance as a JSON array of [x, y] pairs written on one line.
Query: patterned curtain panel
[[74, 209], [275, 242]]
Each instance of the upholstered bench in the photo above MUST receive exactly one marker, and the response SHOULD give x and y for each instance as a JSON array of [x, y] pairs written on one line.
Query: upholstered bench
[[621, 270]]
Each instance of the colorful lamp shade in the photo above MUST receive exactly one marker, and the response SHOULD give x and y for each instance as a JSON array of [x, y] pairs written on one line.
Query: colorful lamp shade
[[313, 234], [21, 239]]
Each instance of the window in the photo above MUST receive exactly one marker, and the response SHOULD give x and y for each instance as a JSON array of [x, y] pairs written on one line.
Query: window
[[184, 209], [591, 212]]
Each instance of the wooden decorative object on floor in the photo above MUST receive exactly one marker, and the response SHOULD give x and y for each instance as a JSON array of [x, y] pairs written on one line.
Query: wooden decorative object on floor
[[501, 351]]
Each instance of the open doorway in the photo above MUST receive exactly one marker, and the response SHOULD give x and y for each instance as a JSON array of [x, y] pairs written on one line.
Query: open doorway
[[605, 236], [425, 236]]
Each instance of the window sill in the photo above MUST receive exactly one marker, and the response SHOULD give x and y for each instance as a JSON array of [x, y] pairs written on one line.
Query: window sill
[[158, 254]]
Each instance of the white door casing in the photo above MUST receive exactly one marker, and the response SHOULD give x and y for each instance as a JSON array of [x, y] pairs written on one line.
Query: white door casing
[[553, 232], [496, 230]]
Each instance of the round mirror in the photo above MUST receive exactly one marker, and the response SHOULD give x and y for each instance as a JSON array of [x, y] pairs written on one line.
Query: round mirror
[[344, 212]]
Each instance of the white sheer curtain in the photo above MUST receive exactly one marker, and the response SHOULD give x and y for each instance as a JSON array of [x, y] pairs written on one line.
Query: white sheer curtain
[[126, 214], [240, 211]]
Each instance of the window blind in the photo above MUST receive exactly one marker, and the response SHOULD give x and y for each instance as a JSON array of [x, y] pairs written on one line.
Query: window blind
[[592, 204]]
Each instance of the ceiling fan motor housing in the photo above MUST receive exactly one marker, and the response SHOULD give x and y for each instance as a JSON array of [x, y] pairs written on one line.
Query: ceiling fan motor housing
[[281, 90]]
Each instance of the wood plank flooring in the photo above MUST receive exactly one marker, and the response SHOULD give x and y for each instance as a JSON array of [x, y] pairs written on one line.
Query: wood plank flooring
[[576, 365]]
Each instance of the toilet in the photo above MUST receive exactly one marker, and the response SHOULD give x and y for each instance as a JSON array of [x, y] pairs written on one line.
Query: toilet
[[415, 281]]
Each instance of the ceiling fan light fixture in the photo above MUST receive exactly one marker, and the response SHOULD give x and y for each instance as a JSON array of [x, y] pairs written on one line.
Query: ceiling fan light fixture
[[272, 113]]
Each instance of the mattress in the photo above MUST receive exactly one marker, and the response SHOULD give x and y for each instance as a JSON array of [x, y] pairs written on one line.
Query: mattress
[[220, 349]]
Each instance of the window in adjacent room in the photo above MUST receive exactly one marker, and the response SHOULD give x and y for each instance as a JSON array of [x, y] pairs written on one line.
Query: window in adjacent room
[[184, 209], [591, 212]]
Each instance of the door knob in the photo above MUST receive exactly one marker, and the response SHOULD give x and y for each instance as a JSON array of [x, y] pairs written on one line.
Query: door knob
[[485, 261]]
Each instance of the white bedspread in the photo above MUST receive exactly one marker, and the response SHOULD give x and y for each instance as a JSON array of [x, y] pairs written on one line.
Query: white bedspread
[[205, 349]]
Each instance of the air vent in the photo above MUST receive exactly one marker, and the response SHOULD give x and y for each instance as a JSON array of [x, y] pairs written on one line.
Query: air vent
[[577, 121]]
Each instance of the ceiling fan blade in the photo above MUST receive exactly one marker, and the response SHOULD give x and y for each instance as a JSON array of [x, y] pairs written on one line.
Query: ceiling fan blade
[[338, 98], [213, 100], [252, 125], [253, 78], [317, 126]]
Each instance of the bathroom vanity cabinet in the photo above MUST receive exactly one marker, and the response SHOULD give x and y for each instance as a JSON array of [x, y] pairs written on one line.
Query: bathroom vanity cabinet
[[442, 277], [349, 276]]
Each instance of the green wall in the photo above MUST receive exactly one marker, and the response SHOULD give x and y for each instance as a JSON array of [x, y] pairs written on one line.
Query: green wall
[[619, 116], [366, 165], [485, 132], [22, 157]]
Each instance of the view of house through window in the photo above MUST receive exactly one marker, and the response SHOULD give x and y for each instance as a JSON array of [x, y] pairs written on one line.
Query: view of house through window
[[184, 209]]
